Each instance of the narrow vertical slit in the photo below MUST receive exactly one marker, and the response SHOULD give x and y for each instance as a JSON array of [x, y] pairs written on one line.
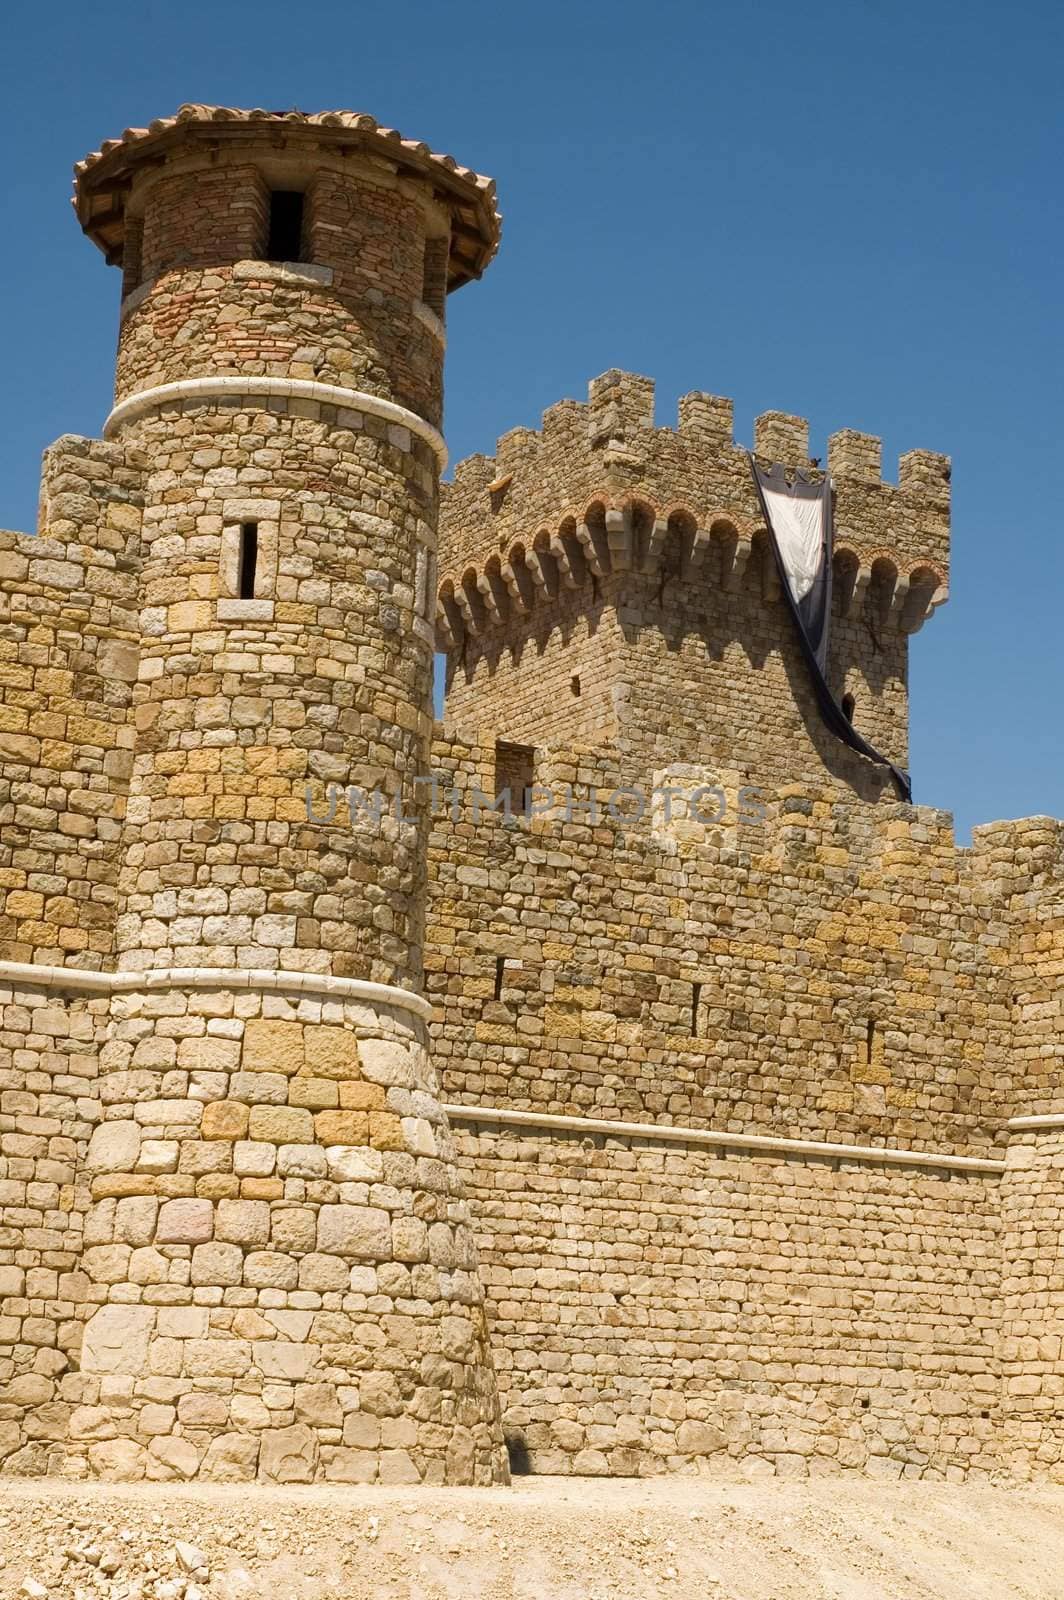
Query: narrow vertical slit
[[500, 963], [870, 1037], [696, 998], [249, 556]]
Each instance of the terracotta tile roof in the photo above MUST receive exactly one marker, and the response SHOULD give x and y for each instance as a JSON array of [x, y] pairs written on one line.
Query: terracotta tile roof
[[101, 179]]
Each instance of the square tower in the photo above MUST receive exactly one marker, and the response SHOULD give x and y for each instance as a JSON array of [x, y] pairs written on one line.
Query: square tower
[[611, 584]]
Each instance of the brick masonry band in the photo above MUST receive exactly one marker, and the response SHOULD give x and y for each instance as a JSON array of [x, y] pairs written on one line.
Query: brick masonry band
[[260, 980], [326, 394], [716, 1136]]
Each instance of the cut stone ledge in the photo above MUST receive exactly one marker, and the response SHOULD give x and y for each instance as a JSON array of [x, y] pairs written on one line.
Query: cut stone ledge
[[28, 974]]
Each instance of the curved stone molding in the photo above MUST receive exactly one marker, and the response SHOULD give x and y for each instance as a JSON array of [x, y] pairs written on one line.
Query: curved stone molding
[[260, 979], [428, 319], [713, 1136], [1033, 1124], [329, 394]]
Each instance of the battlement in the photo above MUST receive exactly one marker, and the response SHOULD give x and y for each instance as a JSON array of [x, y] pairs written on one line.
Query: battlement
[[598, 491], [1015, 864], [608, 580]]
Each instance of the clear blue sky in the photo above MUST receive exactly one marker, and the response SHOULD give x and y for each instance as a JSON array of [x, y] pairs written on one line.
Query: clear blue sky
[[846, 210]]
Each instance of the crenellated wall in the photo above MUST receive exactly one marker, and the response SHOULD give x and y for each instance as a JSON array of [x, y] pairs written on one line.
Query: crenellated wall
[[626, 566]]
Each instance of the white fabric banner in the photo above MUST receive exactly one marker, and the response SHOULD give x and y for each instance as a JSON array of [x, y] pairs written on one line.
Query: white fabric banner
[[799, 529]]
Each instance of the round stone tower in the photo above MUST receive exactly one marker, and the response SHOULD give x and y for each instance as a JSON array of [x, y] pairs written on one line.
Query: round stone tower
[[283, 1272]]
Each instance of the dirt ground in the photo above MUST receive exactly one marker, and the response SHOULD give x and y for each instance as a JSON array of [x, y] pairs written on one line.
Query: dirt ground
[[544, 1539]]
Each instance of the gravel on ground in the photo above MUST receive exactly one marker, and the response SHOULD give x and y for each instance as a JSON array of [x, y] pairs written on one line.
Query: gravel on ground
[[544, 1539]]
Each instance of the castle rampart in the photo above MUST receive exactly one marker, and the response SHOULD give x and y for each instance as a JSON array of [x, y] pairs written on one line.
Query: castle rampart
[[625, 567], [741, 1136], [735, 1104]]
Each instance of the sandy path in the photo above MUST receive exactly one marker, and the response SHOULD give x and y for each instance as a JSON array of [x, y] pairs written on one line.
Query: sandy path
[[545, 1539]]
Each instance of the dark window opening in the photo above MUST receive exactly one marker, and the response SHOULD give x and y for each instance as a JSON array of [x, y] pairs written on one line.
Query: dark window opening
[[285, 239], [434, 275], [574, 684], [696, 1001], [500, 964], [131, 255], [249, 556], [849, 705], [871, 1036], [515, 771]]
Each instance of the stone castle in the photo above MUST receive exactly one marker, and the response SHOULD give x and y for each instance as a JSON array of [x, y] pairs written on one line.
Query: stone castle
[[702, 1107]]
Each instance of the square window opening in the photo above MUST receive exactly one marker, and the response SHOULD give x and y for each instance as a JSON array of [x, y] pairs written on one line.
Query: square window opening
[[285, 239], [515, 771]]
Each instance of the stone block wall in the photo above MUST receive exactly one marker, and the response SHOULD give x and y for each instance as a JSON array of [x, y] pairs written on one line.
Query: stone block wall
[[68, 661], [1033, 1190], [280, 1248], [832, 972], [693, 672], [834, 978], [1032, 1349], [233, 1243], [754, 1116], [561, 671], [656, 1308], [241, 703], [49, 1107], [202, 300], [626, 565], [197, 218]]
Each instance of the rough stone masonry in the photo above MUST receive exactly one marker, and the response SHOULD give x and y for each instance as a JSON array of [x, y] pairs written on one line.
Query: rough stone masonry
[[417, 1145]]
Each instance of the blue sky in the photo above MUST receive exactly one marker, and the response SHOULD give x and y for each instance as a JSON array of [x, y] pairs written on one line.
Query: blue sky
[[844, 210]]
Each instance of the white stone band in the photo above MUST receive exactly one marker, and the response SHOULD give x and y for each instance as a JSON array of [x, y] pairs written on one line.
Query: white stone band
[[261, 979], [326, 394], [712, 1136], [428, 319], [1021, 1123]]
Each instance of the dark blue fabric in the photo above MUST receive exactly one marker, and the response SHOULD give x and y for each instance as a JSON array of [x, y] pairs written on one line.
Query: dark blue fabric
[[812, 613]]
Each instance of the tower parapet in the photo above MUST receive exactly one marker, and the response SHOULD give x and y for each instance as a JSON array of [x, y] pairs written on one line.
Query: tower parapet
[[651, 540]]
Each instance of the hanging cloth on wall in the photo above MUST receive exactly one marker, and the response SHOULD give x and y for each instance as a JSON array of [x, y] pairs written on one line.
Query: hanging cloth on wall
[[798, 518]]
